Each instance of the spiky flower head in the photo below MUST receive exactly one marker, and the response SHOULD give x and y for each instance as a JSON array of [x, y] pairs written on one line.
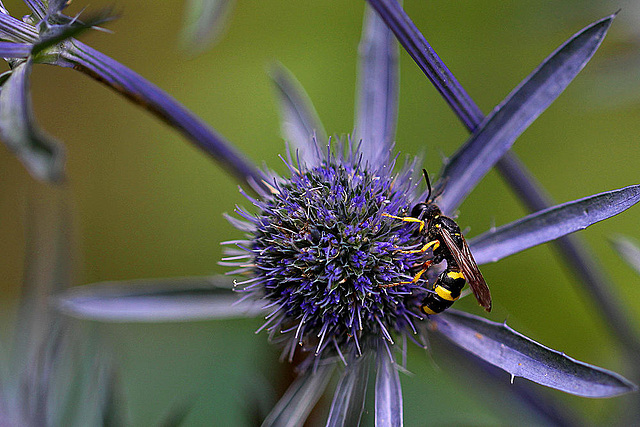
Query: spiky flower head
[[324, 257]]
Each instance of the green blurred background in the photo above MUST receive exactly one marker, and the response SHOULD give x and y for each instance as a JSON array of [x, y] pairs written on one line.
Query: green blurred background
[[148, 204]]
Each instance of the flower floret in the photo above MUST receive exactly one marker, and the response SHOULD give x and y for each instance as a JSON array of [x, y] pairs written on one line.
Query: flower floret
[[323, 253]]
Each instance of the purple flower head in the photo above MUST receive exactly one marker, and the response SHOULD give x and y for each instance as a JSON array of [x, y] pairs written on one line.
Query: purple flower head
[[321, 248]]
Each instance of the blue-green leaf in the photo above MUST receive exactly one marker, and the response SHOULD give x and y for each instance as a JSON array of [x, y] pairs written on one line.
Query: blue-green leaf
[[377, 96], [163, 300], [52, 34], [495, 136], [41, 154], [520, 356], [349, 397], [551, 223], [300, 125], [388, 392], [14, 50], [303, 394]]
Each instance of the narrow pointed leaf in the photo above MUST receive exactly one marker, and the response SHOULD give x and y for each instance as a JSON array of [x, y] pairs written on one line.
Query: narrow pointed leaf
[[628, 250], [14, 50], [520, 356], [377, 97], [165, 300], [205, 21], [300, 124], [38, 7], [551, 223], [298, 401], [388, 393], [498, 132], [349, 397], [40, 154], [14, 29], [423, 54]]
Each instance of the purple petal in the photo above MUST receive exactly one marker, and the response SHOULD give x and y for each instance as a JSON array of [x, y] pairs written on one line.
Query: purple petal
[[377, 97], [388, 393], [300, 124], [296, 404], [14, 50], [628, 250], [141, 91], [423, 54], [165, 300], [40, 154], [205, 21], [551, 223], [520, 356], [498, 132], [349, 397]]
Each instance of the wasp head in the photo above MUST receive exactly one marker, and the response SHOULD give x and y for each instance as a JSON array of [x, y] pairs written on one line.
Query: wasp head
[[425, 211]]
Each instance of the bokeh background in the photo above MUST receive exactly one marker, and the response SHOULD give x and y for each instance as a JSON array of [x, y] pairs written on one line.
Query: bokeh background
[[148, 204]]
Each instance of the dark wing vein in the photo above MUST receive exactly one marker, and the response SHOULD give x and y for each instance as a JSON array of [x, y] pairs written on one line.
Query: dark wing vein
[[469, 268]]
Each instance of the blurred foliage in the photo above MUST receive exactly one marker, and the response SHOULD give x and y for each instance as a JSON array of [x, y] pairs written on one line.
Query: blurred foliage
[[150, 205]]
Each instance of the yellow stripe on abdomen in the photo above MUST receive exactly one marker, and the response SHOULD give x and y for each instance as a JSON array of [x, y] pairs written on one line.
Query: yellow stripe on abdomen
[[444, 293], [428, 310], [455, 275]]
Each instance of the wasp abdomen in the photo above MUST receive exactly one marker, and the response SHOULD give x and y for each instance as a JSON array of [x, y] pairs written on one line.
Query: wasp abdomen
[[446, 290]]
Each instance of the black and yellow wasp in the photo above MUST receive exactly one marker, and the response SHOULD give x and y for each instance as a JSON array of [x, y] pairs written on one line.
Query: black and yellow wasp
[[442, 235]]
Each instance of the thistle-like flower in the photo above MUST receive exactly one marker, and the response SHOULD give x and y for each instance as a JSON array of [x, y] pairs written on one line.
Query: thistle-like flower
[[323, 255]]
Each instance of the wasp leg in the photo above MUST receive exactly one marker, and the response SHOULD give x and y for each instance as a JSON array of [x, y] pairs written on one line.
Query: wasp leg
[[407, 219], [434, 243], [425, 267]]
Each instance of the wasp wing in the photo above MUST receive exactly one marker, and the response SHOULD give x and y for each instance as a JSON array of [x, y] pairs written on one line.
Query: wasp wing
[[469, 268]]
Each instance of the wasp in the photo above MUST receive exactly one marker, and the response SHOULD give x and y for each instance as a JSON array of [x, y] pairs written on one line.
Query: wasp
[[442, 235]]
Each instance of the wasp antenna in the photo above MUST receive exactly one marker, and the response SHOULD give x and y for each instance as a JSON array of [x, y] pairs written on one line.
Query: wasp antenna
[[426, 178]]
